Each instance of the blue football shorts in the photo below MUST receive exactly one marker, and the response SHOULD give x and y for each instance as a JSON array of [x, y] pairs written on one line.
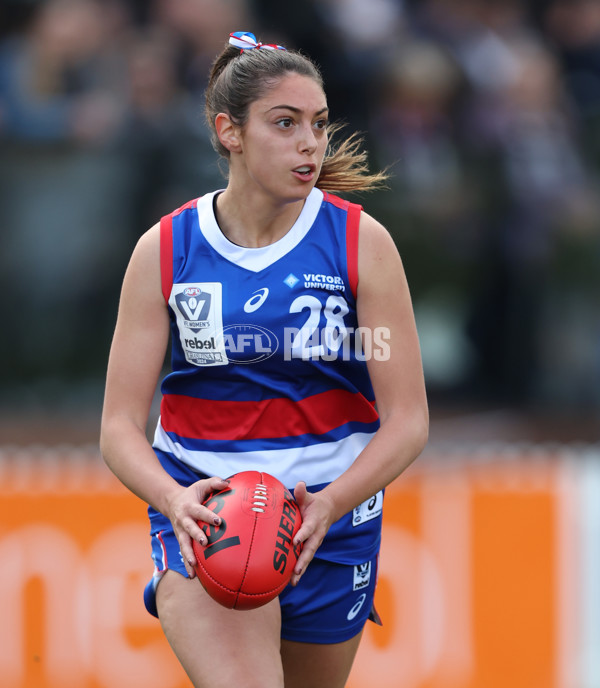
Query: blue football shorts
[[330, 604]]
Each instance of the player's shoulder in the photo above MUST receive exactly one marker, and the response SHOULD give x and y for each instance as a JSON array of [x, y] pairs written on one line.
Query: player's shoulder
[[150, 239], [146, 253], [379, 262], [374, 237]]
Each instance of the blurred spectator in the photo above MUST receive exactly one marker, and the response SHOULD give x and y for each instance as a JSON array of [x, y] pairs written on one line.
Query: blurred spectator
[[537, 185], [573, 26], [364, 34], [528, 172], [168, 149], [475, 33], [412, 118], [55, 78], [63, 185], [99, 133], [349, 39], [414, 131], [202, 27], [364, 27]]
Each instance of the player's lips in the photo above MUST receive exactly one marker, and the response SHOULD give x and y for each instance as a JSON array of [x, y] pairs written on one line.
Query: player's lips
[[305, 172]]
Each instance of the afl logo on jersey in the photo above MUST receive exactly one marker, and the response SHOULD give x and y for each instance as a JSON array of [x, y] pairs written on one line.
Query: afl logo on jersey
[[256, 300], [249, 343]]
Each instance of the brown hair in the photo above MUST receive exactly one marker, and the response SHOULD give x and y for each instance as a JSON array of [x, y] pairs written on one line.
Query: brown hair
[[239, 78]]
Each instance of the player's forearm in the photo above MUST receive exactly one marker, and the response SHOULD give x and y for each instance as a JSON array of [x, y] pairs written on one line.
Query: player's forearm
[[396, 444], [130, 457]]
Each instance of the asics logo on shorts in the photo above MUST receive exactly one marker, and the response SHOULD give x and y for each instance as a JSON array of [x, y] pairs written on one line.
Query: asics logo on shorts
[[357, 607]]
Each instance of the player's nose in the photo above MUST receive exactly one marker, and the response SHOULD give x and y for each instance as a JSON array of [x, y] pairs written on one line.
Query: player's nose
[[307, 142]]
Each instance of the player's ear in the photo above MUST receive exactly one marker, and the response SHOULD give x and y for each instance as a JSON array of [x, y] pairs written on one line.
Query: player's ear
[[228, 133]]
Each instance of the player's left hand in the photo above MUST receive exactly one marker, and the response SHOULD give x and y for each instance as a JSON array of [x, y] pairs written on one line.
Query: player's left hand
[[317, 516]]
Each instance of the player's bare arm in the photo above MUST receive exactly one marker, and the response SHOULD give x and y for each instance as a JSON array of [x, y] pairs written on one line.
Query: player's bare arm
[[135, 362], [383, 302]]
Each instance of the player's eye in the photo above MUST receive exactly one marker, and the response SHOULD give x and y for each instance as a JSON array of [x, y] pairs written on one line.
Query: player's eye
[[321, 124], [285, 122]]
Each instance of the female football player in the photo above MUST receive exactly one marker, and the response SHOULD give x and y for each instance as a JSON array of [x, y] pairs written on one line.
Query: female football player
[[294, 351]]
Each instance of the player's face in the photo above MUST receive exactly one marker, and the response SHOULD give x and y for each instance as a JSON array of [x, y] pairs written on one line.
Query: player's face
[[285, 138]]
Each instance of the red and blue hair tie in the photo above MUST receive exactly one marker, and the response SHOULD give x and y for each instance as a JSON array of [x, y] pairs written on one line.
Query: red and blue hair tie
[[244, 40]]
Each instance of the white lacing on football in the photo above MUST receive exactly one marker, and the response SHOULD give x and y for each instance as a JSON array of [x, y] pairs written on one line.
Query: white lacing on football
[[259, 499]]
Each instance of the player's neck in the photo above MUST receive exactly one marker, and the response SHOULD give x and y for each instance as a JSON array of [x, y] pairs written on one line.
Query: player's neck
[[253, 222]]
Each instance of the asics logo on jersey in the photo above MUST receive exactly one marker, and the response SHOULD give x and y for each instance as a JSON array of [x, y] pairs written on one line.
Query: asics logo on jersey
[[357, 607], [256, 300]]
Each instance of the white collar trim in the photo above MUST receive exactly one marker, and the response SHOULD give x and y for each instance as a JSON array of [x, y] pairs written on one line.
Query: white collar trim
[[256, 259]]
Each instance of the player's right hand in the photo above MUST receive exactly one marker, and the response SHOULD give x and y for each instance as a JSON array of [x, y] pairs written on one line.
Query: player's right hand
[[185, 509]]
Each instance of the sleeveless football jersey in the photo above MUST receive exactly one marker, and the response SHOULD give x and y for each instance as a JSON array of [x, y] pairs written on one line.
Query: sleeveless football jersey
[[268, 371]]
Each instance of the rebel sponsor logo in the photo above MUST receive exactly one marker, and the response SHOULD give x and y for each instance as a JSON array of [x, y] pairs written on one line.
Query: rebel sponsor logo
[[201, 344], [249, 343]]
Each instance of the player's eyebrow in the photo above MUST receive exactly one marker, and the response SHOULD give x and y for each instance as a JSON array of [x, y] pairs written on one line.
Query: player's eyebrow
[[296, 109]]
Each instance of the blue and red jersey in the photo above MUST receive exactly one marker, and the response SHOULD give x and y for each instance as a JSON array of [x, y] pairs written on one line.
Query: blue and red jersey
[[268, 371]]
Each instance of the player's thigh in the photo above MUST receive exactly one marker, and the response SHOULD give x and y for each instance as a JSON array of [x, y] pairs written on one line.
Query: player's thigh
[[220, 647], [312, 665]]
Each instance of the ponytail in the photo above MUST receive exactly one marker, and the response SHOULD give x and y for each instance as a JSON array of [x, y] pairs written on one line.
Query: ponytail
[[346, 168]]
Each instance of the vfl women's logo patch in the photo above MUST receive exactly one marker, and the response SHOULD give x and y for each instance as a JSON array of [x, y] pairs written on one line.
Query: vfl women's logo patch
[[198, 308], [194, 305], [362, 575]]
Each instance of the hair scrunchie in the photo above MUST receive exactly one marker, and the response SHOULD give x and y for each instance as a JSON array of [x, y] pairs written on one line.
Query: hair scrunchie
[[244, 40]]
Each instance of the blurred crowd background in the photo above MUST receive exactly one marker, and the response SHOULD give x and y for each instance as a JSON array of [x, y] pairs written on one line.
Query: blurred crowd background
[[487, 113]]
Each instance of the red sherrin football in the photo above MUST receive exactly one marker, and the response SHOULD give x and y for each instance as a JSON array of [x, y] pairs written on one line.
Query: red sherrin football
[[249, 558]]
